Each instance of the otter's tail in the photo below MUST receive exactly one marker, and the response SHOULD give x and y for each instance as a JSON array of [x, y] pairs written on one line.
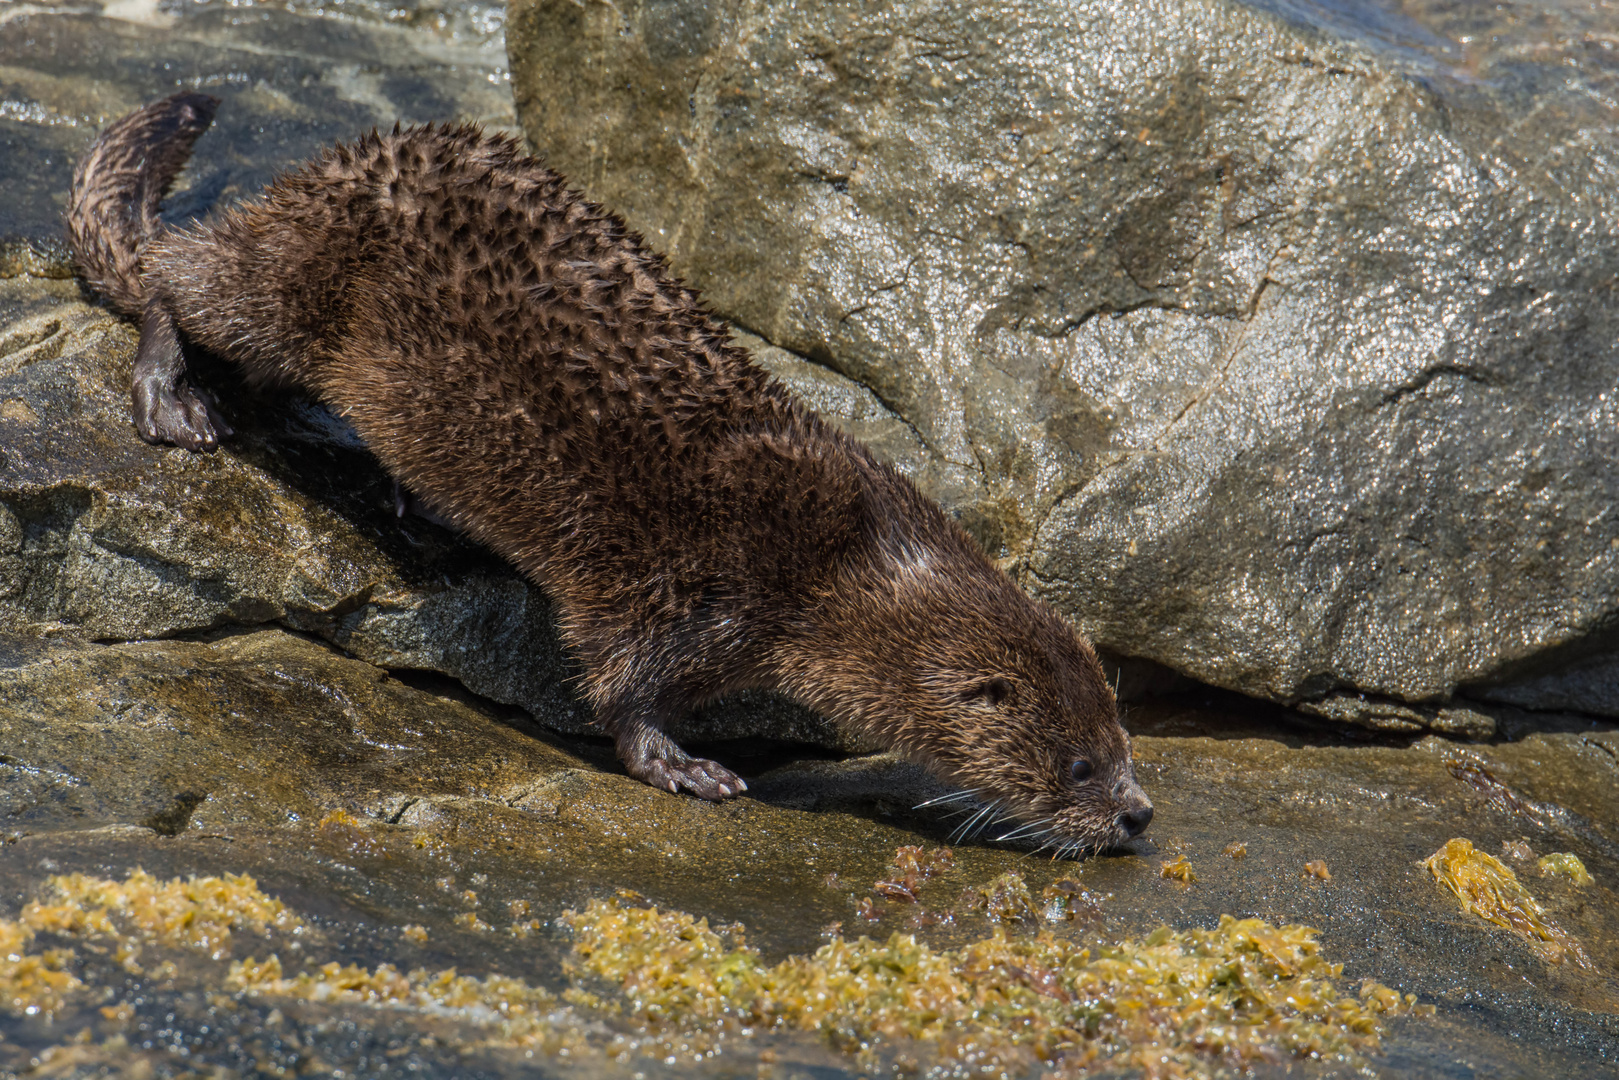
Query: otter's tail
[[112, 211]]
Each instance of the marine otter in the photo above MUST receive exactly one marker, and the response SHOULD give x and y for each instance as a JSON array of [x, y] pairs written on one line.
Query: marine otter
[[515, 357]]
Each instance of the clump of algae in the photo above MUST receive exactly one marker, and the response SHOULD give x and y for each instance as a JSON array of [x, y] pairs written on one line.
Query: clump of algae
[[1566, 864], [1005, 900], [199, 913], [31, 985], [912, 868], [1172, 1003], [1178, 869], [1489, 889], [1068, 900]]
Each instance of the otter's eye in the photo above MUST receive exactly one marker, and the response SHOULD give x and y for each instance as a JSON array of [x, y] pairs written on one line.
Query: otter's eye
[[1080, 770], [991, 692]]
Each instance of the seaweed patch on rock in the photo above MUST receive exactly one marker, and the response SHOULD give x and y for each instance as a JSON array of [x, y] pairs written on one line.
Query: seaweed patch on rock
[[1489, 889], [1169, 1004], [644, 982], [1005, 900], [32, 984], [197, 913], [911, 870], [1568, 865], [1177, 869]]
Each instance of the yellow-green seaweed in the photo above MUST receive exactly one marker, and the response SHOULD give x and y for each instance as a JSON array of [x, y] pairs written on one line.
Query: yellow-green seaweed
[[198, 913], [1177, 869], [1489, 889], [1172, 1003], [31, 985], [1006, 900], [1566, 864]]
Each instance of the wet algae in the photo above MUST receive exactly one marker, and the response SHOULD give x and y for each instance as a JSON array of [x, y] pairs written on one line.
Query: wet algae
[[32, 984], [195, 913], [199, 914], [650, 983], [1172, 1003], [1568, 865], [1488, 888]]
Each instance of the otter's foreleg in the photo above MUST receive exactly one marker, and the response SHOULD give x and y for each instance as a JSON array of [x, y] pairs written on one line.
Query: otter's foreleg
[[166, 408], [652, 756]]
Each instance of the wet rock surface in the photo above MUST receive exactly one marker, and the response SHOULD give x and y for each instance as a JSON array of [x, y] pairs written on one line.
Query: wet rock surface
[[1277, 350], [294, 76], [368, 806], [245, 662]]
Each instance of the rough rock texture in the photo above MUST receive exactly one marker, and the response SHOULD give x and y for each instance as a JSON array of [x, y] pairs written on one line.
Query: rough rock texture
[[160, 734], [231, 754], [294, 76], [1277, 352]]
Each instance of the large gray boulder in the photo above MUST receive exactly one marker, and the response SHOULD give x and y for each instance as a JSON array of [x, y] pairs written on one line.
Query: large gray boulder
[[1278, 354]]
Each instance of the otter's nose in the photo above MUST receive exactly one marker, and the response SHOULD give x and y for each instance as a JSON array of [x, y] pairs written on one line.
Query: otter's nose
[[1135, 821]]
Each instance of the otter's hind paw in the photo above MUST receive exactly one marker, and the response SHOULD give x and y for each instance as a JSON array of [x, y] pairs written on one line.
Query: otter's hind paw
[[180, 415]]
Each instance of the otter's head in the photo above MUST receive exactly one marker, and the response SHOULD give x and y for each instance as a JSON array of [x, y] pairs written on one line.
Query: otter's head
[[994, 692], [1034, 725]]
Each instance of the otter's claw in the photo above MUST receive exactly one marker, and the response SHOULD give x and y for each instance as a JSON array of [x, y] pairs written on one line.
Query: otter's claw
[[167, 409], [177, 414], [706, 779], [651, 756]]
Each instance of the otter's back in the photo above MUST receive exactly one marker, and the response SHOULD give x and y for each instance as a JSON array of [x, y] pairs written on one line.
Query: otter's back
[[514, 352]]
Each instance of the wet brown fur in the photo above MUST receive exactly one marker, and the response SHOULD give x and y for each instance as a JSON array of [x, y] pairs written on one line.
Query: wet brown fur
[[514, 355]]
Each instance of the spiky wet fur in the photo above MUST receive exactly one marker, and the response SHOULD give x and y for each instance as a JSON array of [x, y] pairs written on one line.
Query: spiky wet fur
[[118, 186], [514, 355]]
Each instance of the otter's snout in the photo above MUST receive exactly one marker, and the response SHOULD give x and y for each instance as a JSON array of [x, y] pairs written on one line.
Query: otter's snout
[[1134, 822], [1137, 812]]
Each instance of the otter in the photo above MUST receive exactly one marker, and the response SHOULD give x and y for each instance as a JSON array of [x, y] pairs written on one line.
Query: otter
[[515, 356]]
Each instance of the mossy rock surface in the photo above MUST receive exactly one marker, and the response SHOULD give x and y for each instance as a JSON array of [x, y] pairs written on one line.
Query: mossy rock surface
[[410, 826]]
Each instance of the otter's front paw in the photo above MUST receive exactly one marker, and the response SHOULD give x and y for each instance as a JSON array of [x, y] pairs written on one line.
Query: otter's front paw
[[706, 779], [179, 415]]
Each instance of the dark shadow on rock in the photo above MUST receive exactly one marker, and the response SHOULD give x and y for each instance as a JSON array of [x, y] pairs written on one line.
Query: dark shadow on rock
[[595, 749], [300, 443], [1213, 713], [173, 819]]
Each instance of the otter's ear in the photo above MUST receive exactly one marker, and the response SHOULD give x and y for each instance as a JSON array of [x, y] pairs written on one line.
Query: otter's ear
[[993, 692]]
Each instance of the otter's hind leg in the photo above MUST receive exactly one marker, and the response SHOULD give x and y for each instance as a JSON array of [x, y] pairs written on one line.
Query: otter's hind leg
[[650, 755], [167, 408]]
